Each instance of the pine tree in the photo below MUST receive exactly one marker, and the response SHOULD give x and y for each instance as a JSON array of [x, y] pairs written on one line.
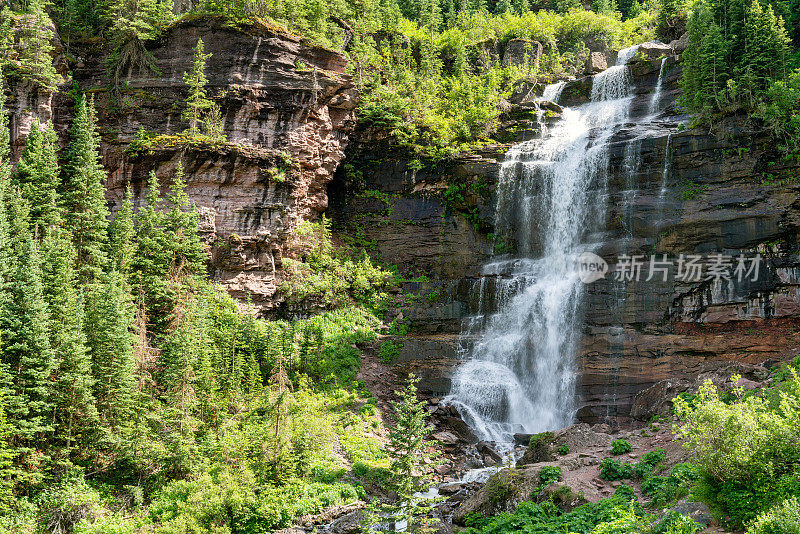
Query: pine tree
[[6, 471], [704, 62], [133, 22], [35, 49], [182, 221], [109, 320], [76, 415], [37, 175], [765, 52], [27, 354], [170, 254], [668, 15], [122, 233], [198, 103], [411, 464], [83, 196]]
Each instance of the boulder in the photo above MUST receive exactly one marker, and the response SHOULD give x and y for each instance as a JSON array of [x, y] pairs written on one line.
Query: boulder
[[561, 495], [522, 52], [348, 524], [581, 436], [597, 62], [460, 428], [696, 510], [655, 50], [657, 399], [542, 448], [502, 493], [524, 91], [486, 450], [681, 44], [446, 438]]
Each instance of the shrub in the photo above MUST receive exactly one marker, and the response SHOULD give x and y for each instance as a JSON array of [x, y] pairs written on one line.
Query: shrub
[[611, 469], [62, 506], [675, 523], [563, 449], [548, 474], [540, 448], [620, 446], [747, 452], [389, 350], [661, 490], [782, 519], [645, 467], [547, 517]]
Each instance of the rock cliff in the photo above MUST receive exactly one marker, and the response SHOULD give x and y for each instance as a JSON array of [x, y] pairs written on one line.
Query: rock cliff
[[287, 107]]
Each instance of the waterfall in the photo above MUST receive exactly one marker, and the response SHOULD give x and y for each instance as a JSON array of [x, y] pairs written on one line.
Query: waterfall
[[666, 173], [553, 91], [518, 350], [624, 55], [655, 100]]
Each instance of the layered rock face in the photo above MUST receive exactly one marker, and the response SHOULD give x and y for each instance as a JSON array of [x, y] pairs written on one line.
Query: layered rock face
[[670, 191], [287, 108]]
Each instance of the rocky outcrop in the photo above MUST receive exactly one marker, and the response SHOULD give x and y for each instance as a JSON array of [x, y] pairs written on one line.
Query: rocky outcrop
[[287, 108], [597, 62], [27, 100], [522, 52]]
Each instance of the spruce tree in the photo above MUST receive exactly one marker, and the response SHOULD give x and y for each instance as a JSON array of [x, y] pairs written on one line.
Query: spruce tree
[[37, 175], [6, 456], [83, 196], [109, 320], [198, 103], [35, 50], [76, 415], [411, 464], [188, 256], [122, 234], [705, 66], [170, 254], [28, 355]]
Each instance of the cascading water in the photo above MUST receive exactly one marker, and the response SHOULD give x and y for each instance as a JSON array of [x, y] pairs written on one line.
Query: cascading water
[[518, 374], [655, 100]]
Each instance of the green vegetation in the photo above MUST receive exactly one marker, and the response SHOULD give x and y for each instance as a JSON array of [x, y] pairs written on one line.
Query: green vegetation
[[611, 469], [200, 110], [621, 446], [549, 474], [136, 396], [746, 450], [330, 276], [411, 464], [740, 57], [430, 74], [614, 515], [782, 519]]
